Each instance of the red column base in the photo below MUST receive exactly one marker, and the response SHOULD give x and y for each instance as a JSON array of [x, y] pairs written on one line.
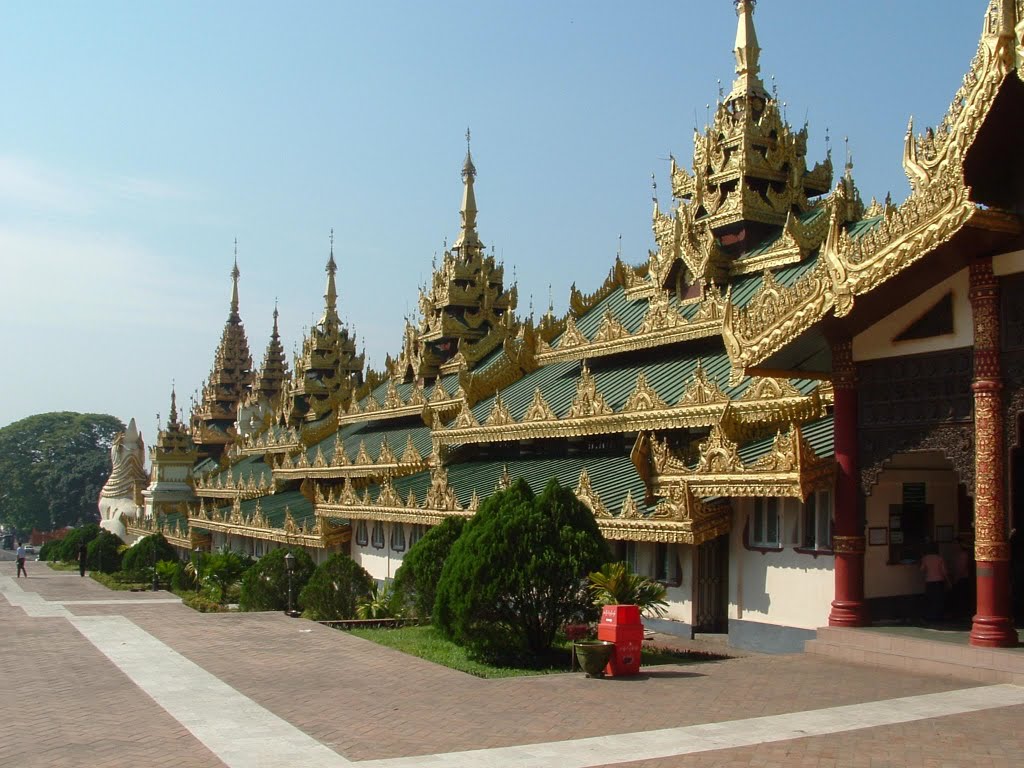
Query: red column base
[[848, 613], [993, 632]]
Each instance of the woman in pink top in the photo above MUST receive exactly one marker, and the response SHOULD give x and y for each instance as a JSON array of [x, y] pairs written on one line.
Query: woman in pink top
[[935, 581]]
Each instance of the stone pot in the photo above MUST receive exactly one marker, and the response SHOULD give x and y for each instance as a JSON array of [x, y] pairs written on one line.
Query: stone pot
[[593, 655]]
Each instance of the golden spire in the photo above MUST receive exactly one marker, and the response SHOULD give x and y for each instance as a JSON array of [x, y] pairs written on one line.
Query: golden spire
[[173, 420], [235, 274], [331, 295], [468, 238], [748, 53]]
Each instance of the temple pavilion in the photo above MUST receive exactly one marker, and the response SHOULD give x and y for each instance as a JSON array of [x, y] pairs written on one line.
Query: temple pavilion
[[775, 414]]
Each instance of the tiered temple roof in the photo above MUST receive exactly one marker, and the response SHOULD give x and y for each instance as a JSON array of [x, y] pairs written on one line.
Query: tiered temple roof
[[328, 369], [213, 418]]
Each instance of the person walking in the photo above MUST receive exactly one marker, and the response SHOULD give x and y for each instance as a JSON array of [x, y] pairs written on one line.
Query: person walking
[[20, 554], [936, 579], [82, 555]]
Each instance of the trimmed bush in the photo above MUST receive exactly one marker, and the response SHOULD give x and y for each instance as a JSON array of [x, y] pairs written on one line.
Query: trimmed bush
[[265, 585], [335, 589], [103, 553], [50, 551], [416, 579], [517, 573], [68, 549], [139, 557]]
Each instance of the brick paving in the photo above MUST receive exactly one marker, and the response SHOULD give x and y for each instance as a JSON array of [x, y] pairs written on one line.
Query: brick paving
[[74, 707]]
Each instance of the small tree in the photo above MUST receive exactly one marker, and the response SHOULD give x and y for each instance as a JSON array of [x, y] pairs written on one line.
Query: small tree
[[517, 572], [147, 551], [103, 553], [335, 589], [417, 578], [265, 585]]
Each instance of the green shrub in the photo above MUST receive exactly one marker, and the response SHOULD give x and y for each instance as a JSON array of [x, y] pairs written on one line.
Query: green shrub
[[335, 589], [140, 556], [50, 551], [416, 579], [103, 553], [68, 549], [167, 571], [220, 571], [516, 574], [265, 585]]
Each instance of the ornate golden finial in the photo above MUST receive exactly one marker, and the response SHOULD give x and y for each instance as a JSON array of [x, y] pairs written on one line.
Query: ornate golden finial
[[468, 238], [235, 274], [748, 53], [173, 420], [331, 294], [468, 169]]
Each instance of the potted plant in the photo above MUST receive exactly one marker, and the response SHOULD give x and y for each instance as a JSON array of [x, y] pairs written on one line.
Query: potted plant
[[625, 595], [615, 584]]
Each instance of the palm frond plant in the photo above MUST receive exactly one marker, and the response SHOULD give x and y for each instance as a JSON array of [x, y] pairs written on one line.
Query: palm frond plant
[[384, 602], [615, 584]]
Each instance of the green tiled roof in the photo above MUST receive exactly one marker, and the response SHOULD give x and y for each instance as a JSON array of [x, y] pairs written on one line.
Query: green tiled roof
[[744, 288], [449, 383], [818, 435], [374, 435], [253, 465], [628, 312], [274, 507], [611, 477], [175, 518], [616, 379]]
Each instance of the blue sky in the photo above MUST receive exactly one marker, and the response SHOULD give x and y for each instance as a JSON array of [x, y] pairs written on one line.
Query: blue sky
[[140, 139]]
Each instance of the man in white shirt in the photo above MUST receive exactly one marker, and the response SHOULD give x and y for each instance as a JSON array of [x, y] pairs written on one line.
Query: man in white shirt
[[21, 561]]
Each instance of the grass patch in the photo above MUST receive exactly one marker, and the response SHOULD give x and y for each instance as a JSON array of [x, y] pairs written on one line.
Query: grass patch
[[118, 581], [61, 566], [426, 642]]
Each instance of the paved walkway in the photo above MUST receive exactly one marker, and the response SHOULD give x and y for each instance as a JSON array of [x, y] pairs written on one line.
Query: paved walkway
[[100, 678]]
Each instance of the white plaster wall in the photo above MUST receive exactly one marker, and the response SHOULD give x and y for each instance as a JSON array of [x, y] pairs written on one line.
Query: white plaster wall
[[1008, 263], [877, 341], [381, 564], [680, 599], [880, 578], [787, 588]]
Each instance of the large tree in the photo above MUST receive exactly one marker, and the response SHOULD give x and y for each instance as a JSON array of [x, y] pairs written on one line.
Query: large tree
[[517, 572], [52, 467]]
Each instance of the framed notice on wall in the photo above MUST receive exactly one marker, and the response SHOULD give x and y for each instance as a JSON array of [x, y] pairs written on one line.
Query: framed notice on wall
[[878, 537]]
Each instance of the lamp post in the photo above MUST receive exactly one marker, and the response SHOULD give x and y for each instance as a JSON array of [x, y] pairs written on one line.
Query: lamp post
[[289, 566]]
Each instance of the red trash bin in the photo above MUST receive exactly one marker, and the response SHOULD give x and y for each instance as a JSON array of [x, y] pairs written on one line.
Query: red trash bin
[[621, 625]]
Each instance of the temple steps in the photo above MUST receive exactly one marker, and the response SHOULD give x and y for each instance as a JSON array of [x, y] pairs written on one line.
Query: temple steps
[[911, 650]]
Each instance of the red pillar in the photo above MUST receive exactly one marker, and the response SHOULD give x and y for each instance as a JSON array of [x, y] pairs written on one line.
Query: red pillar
[[848, 608], [993, 625]]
